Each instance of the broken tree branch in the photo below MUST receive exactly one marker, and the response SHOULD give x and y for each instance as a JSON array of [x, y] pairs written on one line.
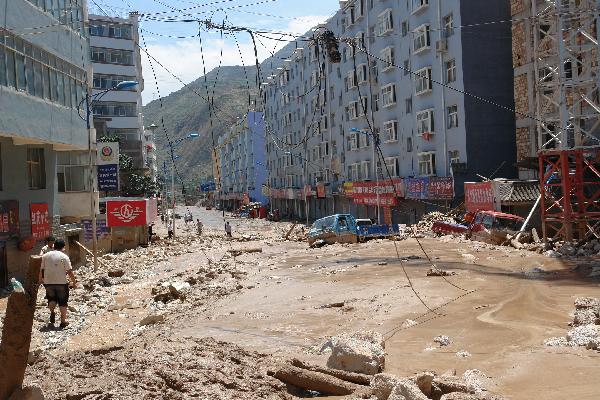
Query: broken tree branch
[[352, 377], [319, 382]]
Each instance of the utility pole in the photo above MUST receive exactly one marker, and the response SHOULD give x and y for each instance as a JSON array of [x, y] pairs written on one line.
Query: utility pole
[[92, 156], [173, 192]]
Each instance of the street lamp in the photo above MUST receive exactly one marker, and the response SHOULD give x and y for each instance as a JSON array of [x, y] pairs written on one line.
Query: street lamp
[[190, 136], [90, 100]]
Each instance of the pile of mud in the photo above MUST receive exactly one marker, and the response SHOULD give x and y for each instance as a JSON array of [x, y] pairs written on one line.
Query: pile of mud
[[158, 367]]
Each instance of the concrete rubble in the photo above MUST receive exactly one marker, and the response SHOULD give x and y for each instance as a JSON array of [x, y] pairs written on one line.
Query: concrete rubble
[[585, 330], [361, 352]]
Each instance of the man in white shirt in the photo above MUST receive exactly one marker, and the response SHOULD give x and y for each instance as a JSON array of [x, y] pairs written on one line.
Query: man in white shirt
[[56, 266], [49, 245]]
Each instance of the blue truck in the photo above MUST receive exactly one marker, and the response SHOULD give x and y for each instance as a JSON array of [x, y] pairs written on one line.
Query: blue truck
[[344, 228]]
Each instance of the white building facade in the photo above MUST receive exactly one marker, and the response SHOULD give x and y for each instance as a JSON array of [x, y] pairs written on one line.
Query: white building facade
[[405, 85], [116, 58]]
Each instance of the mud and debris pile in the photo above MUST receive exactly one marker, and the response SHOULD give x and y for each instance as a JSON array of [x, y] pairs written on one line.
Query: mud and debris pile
[[585, 330], [355, 370], [426, 222], [183, 368]]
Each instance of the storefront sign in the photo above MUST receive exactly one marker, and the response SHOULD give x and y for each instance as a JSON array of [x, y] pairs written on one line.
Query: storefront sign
[[441, 188], [152, 210], [479, 196], [40, 220], [387, 188], [321, 194], [384, 201], [108, 153], [126, 213], [108, 178], [307, 190], [417, 188], [102, 231], [9, 218]]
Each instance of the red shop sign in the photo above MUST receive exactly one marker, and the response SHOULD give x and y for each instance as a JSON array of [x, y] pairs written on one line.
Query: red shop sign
[[126, 213], [479, 196], [40, 220]]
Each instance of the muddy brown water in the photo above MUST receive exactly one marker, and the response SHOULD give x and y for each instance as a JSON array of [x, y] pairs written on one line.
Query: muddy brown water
[[502, 323]]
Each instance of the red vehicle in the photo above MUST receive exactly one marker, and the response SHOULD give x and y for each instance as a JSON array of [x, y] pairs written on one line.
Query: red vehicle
[[485, 226]]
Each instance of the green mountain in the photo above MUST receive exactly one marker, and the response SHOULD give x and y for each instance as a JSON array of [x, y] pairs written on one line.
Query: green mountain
[[187, 110]]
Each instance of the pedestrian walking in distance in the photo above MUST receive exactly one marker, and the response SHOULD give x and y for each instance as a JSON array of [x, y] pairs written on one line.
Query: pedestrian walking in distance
[[56, 266], [49, 245], [170, 228], [227, 229], [199, 227]]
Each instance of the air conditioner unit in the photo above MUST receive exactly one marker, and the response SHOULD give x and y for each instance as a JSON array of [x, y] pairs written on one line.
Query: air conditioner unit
[[441, 45]]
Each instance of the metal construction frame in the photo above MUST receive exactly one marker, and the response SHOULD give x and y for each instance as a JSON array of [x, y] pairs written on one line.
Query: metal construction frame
[[566, 70], [566, 56], [570, 193]]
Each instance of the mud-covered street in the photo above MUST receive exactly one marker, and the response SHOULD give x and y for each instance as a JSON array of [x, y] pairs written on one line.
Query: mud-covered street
[[211, 317]]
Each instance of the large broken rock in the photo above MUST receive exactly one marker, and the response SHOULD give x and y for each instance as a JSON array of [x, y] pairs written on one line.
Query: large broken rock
[[584, 335], [383, 385], [361, 352], [406, 389], [27, 393], [152, 319], [445, 384]]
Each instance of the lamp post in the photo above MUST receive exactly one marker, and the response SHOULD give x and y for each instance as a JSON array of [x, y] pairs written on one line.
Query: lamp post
[[192, 135], [90, 100]]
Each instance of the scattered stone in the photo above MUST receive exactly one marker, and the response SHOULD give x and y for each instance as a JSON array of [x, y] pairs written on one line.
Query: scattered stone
[[442, 340], [361, 352], [383, 385], [332, 305], [552, 254], [439, 272], [463, 354], [583, 335], [116, 273], [424, 381], [567, 250], [556, 342], [382, 263], [407, 389], [152, 319]]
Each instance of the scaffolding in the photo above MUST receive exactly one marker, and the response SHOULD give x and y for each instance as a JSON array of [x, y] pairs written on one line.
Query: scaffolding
[[567, 71], [570, 193]]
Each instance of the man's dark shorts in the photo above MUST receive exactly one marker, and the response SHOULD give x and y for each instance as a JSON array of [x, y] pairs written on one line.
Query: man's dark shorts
[[57, 294]]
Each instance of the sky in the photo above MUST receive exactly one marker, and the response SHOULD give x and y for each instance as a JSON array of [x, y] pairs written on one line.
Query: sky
[[163, 40]]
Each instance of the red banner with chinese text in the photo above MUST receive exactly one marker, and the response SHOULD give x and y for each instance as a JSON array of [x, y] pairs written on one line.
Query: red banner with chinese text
[[479, 196], [40, 220], [126, 213]]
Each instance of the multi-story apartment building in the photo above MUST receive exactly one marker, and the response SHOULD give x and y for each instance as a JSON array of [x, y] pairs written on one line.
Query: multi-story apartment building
[[430, 79], [44, 64], [116, 58], [239, 162]]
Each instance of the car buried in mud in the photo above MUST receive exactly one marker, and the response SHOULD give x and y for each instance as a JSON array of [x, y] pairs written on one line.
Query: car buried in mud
[[484, 226]]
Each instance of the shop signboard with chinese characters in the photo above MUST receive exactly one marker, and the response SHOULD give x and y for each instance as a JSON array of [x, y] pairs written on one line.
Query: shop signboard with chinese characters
[[126, 213], [417, 188], [321, 194], [108, 166], [441, 188], [152, 210], [383, 193], [9, 219], [108, 178], [102, 231], [479, 196], [40, 220]]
